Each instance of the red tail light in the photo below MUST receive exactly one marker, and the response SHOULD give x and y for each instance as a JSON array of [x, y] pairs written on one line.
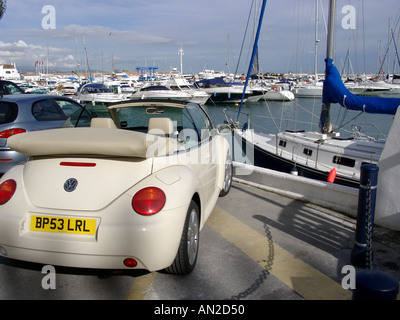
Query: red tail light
[[7, 189], [130, 263], [10, 132], [77, 164], [148, 201]]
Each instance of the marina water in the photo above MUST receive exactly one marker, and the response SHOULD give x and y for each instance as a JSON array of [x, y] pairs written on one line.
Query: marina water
[[301, 114]]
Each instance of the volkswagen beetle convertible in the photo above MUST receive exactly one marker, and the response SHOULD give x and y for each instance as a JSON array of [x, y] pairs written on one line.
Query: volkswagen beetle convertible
[[130, 191]]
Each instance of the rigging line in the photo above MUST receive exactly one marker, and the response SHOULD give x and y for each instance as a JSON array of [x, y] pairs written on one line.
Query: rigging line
[[390, 40], [280, 123], [291, 40], [363, 35], [395, 46], [253, 55], [343, 117], [346, 123], [345, 113], [394, 62], [283, 119], [269, 110], [244, 37], [298, 40], [323, 16]]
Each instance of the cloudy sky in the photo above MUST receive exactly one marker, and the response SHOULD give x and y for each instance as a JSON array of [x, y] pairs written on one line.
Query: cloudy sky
[[149, 33]]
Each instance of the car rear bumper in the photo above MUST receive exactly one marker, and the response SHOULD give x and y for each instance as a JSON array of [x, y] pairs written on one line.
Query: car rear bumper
[[153, 245], [91, 261]]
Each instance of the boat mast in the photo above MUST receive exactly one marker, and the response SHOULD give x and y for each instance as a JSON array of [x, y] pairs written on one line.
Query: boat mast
[[180, 53], [325, 110], [316, 44]]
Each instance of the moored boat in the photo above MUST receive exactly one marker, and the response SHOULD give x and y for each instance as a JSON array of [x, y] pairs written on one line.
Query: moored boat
[[98, 92], [221, 91], [181, 84], [160, 92], [317, 154]]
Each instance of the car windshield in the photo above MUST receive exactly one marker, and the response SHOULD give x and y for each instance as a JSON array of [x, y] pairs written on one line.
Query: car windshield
[[137, 118], [190, 122]]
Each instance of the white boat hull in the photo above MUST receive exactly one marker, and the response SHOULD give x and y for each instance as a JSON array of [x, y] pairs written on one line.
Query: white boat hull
[[102, 97], [314, 154], [308, 92], [162, 94], [282, 95]]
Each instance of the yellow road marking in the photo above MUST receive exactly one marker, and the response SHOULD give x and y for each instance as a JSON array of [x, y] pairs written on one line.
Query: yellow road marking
[[140, 287], [295, 273]]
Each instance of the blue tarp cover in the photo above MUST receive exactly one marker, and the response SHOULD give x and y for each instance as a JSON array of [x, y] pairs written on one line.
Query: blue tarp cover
[[336, 92]]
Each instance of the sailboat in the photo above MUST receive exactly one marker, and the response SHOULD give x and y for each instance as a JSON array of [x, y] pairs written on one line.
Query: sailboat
[[322, 155]]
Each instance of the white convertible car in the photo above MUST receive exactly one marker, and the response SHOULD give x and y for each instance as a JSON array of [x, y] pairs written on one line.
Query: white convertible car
[[130, 191]]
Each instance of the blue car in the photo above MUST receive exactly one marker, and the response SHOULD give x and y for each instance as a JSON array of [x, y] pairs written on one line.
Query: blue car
[[25, 112]]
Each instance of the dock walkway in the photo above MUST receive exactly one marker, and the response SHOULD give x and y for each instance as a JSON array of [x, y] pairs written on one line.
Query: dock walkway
[[256, 245], [264, 245]]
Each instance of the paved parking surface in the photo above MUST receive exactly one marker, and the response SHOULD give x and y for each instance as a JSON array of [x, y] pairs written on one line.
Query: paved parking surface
[[256, 245]]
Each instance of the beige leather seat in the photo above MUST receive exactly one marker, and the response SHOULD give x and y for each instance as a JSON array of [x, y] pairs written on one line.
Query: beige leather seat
[[160, 126]]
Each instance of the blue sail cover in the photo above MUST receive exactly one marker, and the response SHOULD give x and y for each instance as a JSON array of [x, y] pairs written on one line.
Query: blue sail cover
[[334, 91]]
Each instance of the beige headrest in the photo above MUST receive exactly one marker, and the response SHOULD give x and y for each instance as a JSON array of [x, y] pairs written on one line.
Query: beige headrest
[[160, 126], [103, 123]]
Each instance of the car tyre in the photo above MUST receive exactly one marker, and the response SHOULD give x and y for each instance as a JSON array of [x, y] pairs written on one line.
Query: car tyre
[[186, 257], [227, 177]]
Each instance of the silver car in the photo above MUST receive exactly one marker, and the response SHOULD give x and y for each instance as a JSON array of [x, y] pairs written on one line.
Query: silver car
[[29, 112]]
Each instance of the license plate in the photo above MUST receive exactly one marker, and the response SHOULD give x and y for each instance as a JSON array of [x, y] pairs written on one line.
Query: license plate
[[63, 225]]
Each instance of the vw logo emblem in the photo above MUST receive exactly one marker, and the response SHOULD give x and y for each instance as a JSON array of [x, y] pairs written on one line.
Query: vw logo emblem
[[70, 185]]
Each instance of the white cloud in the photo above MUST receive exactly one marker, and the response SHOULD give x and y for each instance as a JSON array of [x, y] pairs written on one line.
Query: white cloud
[[95, 32], [26, 54], [138, 33], [64, 44]]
